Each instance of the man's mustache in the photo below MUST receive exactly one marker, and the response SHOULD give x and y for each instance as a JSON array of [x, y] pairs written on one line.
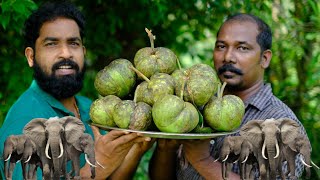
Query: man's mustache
[[65, 62], [229, 67]]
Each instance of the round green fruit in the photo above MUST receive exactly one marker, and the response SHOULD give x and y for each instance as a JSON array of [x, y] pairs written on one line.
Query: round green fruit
[[224, 113], [101, 110], [116, 79], [171, 114]]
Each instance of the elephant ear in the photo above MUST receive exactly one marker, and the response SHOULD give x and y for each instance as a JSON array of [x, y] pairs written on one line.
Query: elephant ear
[[73, 128], [252, 131], [35, 130], [290, 130]]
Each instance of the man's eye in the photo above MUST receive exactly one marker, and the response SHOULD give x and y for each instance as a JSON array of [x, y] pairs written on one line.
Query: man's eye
[[243, 48], [50, 44], [74, 43], [220, 46]]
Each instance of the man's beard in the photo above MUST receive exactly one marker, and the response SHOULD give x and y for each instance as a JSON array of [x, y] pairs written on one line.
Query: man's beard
[[60, 87]]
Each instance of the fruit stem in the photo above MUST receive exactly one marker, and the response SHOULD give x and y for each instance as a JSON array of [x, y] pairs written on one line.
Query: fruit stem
[[221, 90], [151, 37], [179, 65], [135, 94], [140, 73]]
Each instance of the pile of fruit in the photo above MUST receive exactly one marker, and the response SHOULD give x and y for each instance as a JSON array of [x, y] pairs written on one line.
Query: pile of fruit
[[165, 98]]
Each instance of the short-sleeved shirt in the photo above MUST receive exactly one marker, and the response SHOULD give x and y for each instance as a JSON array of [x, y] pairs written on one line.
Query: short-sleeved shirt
[[36, 103], [263, 105]]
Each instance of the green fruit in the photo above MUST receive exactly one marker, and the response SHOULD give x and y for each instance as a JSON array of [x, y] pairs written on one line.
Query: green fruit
[[131, 115], [150, 91], [101, 110], [116, 79], [150, 60], [202, 130], [171, 114], [224, 113], [196, 84]]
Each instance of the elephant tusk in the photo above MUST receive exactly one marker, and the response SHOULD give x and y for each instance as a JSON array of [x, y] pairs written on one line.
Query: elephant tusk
[[225, 158], [314, 165], [28, 159], [47, 151], [86, 157], [61, 149], [277, 149], [216, 160], [245, 159], [18, 161], [8, 158], [100, 165], [304, 162], [235, 161], [263, 151]]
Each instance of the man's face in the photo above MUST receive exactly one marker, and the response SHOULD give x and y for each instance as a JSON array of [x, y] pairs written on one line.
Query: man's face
[[237, 55], [59, 58]]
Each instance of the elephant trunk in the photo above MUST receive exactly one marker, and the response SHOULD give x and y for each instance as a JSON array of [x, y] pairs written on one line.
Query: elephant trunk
[[56, 147], [270, 144]]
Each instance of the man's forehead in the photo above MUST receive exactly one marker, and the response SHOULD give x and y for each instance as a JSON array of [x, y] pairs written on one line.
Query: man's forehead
[[241, 32], [60, 27]]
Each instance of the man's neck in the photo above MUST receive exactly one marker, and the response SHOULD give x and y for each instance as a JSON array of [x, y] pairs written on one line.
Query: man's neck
[[71, 105], [247, 93]]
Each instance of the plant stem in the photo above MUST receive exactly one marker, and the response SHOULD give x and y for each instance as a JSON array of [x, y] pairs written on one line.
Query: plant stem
[[140, 73], [220, 92], [151, 37]]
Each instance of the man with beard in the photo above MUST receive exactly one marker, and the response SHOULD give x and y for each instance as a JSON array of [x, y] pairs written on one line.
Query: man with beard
[[241, 54], [54, 49]]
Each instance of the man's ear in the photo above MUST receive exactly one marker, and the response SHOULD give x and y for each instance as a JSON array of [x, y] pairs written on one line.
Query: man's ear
[[29, 53], [266, 58]]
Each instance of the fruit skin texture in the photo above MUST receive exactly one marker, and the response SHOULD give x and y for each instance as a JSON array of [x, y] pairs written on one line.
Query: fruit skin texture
[[101, 110], [116, 79], [197, 84], [131, 115], [159, 85], [224, 114], [171, 114], [152, 60]]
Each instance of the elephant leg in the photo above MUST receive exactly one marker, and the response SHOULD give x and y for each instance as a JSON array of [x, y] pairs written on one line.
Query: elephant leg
[[242, 170], [12, 164], [263, 171], [224, 164], [46, 171]]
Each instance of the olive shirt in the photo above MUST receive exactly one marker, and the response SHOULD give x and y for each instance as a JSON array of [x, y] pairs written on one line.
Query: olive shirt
[[35, 103], [262, 105]]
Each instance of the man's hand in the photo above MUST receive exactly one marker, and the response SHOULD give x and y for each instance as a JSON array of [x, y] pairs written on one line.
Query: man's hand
[[112, 148], [196, 150]]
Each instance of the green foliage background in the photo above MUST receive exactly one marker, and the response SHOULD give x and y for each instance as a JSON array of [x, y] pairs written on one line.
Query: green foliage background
[[115, 29]]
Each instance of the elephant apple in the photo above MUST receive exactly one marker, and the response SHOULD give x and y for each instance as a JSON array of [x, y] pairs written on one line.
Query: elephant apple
[[224, 113], [131, 115], [150, 91], [101, 110], [196, 84], [171, 114], [116, 79], [150, 60]]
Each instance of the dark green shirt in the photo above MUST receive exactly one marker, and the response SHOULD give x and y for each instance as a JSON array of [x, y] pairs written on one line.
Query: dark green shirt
[[35, 103]]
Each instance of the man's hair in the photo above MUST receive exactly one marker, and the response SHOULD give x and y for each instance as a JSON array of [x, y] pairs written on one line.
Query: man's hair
[[50, 11], [264, 38]]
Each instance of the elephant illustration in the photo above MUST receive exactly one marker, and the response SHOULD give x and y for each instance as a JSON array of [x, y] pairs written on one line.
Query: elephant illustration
[[247, 160], [51, 135], [12, 152], [230, 153], [84, 144], [300, 145], [31, 159], [269, 135]]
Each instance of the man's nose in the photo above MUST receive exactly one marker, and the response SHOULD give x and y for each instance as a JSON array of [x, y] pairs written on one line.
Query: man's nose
[[229, 56], [65, 52]]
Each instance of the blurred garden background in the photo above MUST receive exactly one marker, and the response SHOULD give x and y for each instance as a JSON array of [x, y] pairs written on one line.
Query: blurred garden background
[[115, 29]]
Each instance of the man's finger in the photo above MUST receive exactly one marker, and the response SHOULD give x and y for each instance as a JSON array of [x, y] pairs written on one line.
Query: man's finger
[[96, 132]]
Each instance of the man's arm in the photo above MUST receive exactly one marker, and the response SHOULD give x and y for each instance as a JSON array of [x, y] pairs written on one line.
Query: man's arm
[[163, 162], [197, 152]]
